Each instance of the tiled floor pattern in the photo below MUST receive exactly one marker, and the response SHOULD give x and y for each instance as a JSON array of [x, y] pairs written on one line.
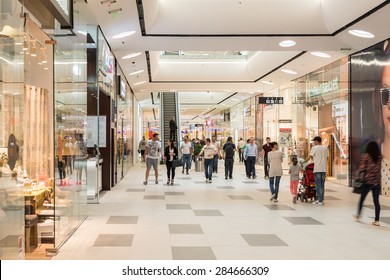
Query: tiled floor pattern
[[227, 219]]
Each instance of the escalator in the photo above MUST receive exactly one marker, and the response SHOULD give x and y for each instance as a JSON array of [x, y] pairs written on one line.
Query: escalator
[[169, 108]]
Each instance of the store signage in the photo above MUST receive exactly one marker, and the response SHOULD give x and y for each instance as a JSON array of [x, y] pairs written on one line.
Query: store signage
[[285, 121], [247, 111], [270, 100], [324, 88]]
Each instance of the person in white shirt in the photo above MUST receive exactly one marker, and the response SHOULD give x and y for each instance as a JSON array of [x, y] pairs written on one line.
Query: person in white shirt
[[319, 155], [241, 146], [215, 143], [275, 159], [152, 153], [209, 152], [187, 151], [250, 155]]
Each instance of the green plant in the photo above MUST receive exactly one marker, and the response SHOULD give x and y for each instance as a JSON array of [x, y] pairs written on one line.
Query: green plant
[[197, 149]]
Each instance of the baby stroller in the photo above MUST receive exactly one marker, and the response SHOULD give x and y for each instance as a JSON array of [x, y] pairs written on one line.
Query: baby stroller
[[307, 186]]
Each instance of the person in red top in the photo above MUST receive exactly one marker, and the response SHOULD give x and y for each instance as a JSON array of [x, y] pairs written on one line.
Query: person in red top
[[370, 166], [266, 148]]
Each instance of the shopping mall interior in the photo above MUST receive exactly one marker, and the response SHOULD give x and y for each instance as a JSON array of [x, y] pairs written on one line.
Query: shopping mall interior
[[86, 85]]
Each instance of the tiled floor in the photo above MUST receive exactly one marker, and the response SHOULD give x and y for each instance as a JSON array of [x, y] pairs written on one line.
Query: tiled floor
[[227, 219]]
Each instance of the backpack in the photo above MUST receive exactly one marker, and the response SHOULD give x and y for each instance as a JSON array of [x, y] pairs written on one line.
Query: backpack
[[229, 151]]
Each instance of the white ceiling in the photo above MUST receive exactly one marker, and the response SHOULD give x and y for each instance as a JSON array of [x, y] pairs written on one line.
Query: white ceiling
[[227, 25]]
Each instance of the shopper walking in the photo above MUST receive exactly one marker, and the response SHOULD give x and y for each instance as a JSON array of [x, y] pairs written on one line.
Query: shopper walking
[[245, 158], [275, 158], [319, 155], [141, 147], [241, 148], [228, 155], [170, 154], [172, 129], [294, 170], [266, 149], [187, 151], [209, 151], [152, 154], [251, 153], [370, 166], [215, 143]]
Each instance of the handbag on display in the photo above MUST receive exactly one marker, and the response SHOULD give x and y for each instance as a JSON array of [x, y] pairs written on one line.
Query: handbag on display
[[177, 163]]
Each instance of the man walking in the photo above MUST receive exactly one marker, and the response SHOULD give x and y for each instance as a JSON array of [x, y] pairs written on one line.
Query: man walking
[[172, 129], [250, 156], [241, 147], [187, 151], [152, 154], [319, 155], [209, 151], [266, 148], [228, 156], [215, 143]]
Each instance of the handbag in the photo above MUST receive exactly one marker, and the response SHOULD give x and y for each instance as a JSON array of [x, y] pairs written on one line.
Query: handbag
[[177, 163], [359, 184]]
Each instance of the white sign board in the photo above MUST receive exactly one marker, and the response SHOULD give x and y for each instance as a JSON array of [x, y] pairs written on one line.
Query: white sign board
[[96, 128]]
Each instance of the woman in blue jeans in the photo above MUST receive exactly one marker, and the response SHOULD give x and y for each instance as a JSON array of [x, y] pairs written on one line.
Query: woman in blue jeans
[[370, 166], [275, 159]]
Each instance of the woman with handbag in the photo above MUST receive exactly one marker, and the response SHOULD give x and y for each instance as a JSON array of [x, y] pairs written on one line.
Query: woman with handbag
[[370, 166], [170, 155]]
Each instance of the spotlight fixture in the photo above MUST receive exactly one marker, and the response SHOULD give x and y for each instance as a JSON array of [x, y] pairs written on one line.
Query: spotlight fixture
[[288, 71], [43, 55], [321, 54], [33, 48], [136, 72]]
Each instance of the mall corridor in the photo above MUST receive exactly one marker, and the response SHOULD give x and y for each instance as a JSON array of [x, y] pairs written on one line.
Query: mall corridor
[[226, 220]]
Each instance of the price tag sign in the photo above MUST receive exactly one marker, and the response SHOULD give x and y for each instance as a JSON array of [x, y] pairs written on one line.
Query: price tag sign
[[270, 100]]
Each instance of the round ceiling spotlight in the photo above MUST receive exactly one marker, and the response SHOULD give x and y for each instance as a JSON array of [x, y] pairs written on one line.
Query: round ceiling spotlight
[[123, 35], [287, 43], [288, 71], [361, 34], [131, 55], [321, 54], [267, 82]]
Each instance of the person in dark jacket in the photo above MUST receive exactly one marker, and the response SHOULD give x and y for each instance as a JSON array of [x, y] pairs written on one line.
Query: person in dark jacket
[[370, 166], [170, 154], [172, 129]]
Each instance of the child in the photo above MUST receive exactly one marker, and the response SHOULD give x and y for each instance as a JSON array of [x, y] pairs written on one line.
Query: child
[[294, 177]]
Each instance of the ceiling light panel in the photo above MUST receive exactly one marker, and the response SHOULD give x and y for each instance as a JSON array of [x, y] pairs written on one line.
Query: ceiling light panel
[[361, 34], [123, 35], [136, 72], [320, 54], [288, 71], [287, 43], [131, 55]]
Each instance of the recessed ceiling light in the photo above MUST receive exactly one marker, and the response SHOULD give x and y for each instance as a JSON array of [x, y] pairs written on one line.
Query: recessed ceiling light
[[139, 83], [267, 82], [321, 54], [123, 35], [287, 43], [361, 33], [131, 55], [82, 32], [289, 71], [234, 99], [136, 72]]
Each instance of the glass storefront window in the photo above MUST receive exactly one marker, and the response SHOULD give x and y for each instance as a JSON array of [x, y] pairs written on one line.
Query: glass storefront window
[[11, 133]]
